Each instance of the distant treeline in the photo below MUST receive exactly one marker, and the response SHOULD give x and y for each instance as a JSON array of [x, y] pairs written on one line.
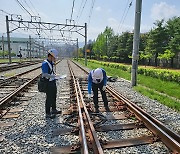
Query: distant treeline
[[158, 47]]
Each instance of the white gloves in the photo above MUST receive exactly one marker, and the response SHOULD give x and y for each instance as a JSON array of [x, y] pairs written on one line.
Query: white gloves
[[104, 88], [89, 96]]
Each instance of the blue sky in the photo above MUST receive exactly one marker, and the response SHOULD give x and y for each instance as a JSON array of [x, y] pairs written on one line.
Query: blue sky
[[113, 13]]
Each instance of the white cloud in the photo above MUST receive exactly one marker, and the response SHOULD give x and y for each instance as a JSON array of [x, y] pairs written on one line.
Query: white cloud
[[113, 23], [94, 31], [98, 8], [163, 11]]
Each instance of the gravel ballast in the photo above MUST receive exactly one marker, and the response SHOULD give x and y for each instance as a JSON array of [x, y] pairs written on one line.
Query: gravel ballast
[[33, 133]]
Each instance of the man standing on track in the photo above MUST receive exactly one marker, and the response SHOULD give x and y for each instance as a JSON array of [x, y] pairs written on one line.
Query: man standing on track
[[48, 73], [97, 79]]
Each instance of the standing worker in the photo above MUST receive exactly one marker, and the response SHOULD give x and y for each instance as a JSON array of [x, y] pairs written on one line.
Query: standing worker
[[97, 79], [51, 91]]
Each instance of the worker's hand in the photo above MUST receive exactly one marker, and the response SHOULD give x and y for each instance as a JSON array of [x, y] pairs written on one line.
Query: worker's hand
[[104, 88], [89, 96]]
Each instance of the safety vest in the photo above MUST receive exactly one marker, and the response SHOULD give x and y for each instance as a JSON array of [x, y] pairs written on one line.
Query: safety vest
[[51, 70]]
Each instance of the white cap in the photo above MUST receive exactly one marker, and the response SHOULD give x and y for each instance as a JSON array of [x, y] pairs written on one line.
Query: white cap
[[53, 52]]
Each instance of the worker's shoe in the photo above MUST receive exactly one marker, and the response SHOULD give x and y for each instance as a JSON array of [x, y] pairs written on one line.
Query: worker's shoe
[[56, 112], [51, 116]]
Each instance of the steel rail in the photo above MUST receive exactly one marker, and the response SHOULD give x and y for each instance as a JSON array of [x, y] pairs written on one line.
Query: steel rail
[[11, 67], [169, 141], [82, 129], [97, 146], [169, 138], [12, 94], [160, 124], [19, 89], [17, 75]]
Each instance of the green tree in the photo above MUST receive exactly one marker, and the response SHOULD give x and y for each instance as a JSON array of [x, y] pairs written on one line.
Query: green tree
[[101, 45], [157, 40], [167, 55], [125, 46], [173, 29]]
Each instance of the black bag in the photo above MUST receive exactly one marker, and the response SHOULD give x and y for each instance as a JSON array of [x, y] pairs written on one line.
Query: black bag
[[42, 84]]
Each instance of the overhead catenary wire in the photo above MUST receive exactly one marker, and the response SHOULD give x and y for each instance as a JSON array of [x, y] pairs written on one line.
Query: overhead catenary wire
[[19, 3], [5, 12], [34, 7], [23, 8], [91, 10], [81, 11], [29, 7], [126, 10], [72, 10]]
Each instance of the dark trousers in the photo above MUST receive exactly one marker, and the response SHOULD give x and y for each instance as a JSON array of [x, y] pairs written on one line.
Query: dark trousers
[[95, 88], [51, 96]]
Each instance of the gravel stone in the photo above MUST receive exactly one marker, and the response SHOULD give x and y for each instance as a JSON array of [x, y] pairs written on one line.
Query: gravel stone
[[33, 133]]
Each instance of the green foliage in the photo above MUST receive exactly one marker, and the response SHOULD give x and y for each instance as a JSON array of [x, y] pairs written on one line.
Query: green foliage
[[173, 29], [6, 53], [167, 87], [157, 40], [145, 55], [151, 87], [161, 98], [166, 55], [164, 36], [162, 74]]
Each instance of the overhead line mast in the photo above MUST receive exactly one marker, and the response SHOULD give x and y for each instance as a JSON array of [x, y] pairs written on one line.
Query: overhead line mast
[[135, 54]]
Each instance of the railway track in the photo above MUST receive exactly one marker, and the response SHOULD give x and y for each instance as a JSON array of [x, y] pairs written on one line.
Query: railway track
[[126, 116], [12, 90], [6, 67]]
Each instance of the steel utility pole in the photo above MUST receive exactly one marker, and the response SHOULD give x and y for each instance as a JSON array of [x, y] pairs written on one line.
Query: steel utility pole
[[30, 46], [85, 44], [77, 46], [27, 50], [106, 45], [135, 54], [43, 48], [3, 46], [39, 51], [8, 39]]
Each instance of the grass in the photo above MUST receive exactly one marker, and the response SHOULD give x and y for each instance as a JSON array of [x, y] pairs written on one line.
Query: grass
[[156, 96], [9, 74], [166, 87], [171, 89]]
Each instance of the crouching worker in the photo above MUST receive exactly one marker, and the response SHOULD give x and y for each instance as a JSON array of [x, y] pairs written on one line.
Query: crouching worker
[[97, 79], [51, 91]]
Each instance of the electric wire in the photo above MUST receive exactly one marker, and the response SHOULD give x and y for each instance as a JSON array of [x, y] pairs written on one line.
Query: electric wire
[[72, 10], [29, 7], [71, 15], [23, 7], [34, 7], [90, 14], [81, 11], [5, 12], [124, 15]]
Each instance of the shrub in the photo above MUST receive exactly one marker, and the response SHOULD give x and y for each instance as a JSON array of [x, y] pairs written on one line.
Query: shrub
[[166, 75]]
